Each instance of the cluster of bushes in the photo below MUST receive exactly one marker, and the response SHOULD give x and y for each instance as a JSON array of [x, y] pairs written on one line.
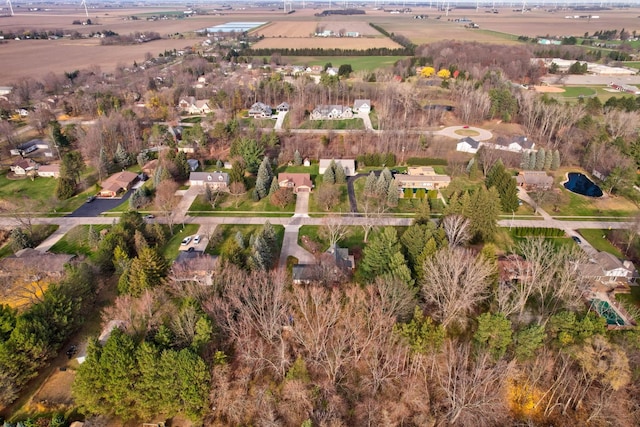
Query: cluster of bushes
[[377, 159], [538, 232], [425, 161]]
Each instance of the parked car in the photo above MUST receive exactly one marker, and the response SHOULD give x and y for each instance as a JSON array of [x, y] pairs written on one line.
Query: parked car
[[186, 240], [196, 239], [91, 199], [576, 239]]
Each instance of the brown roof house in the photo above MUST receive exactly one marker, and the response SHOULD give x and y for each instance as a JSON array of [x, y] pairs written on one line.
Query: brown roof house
[[534, 180], [23, 166], [605, 267], [298, 182], [422, 177], [117, 183]]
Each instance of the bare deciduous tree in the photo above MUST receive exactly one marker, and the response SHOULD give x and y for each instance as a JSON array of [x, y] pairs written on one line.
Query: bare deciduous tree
[[166, 200], [454, 282], [237, 189], [334, 228], [457, 229]]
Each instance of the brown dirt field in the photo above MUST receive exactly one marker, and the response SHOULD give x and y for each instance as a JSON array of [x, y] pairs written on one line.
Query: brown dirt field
[[548, 89], [279, 28], [55, 391], [326, 43]]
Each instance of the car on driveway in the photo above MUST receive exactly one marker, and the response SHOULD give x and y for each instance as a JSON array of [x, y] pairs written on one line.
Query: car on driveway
[[576, 239], [91, 199], [196, 239], [186, 240]]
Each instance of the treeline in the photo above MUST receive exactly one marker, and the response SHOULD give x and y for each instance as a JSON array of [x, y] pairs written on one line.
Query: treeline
[[401, 40], [426, 161], [314, 51], [341, 12], [538, 232], [376, 159], [133, 38], [28, 340]]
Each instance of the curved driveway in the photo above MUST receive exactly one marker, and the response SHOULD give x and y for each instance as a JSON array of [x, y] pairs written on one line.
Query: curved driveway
[[483, 134]]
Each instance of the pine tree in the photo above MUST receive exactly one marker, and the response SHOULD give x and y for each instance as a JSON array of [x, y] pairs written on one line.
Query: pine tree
[[297, 158], [532, 161], [219, 164], [526, 158], [147, 270], [548, 159], [392, 194], [341, 176], [382, 186], [541, 156], [555, 162], [260, 256], [378, 255], [122, 157], [484, 212], [240, 239], [142, 158], [263, 180], [103, 165], [370, 184], [182, 166], [274, 186], [329, 176]]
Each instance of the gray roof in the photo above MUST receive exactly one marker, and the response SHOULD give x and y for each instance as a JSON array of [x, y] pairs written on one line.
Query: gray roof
[[209, 176], [360, 102], [304, 272], [472, 142]]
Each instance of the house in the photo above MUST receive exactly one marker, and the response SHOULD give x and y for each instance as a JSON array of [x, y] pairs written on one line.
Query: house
[[349, 166], [468, 145], [298, 182], [304, 274], [362, 106], [332, 71], [283, 107], [331, 112], [31, 146], [34, 265], [23, 166], [421, 177], [517, 144], [216, 180], [195, 267], [117, 183], [333, 267], [193, 164], [534, 180], [49, 171], [341, 257], [605, 267], [306, 162], [260, 110], [192, 105]]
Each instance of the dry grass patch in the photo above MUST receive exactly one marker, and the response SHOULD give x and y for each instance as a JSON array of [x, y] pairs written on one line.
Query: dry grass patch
[[55, 393]]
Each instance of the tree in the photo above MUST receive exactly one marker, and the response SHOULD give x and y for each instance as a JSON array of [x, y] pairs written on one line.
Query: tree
[[72, 166], [166, 201], [282, 197], [507, 188], [555, 161], [345, 70], [370, 184], [458, 229], [237, 172], [540, 159], [453, 282], [421, 334], [532, 161], [65, 188], [341, 176], [147, 271], [20, 240], [59, 139], [528, 341], [334, 229], [392, 194], [297, 158], [327, 196], [263, 180], [329, 176], [250, 151], [275, 186], [383, 257], [237, 189], [182, 167], [121, 157], [493, 333]]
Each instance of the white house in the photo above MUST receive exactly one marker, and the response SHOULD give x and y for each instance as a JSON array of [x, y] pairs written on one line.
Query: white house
[[605, 267], [349, 166], [362, 106], [192, 105], [283, 107], [260, 110], [216, 180], [516, 144], [29, 147], [331, 112], [468, 145]]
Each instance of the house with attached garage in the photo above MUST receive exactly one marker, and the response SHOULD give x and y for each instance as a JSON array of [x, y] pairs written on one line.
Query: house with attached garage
[[468, 145], [283, 107], [260, 110], [606, 267], [298, 182], [421, 177], [192, 105], [516, 144], [362, 106], [216, 180], [120, 182], [32, 146], [534, 180], [23, 167], [331, 112]]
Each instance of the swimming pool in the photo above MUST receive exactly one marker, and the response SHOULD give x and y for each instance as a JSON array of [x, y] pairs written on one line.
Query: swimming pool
[[604, 309], [579, 183]]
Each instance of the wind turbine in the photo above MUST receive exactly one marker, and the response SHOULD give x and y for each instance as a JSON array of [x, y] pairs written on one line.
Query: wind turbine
[[10, 7], [84, 3]]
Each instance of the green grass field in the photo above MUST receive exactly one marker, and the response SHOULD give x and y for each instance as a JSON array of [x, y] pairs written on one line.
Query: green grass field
[[577, 91], [597, 239], [355, 124], [367, 63], [40, 190], [632, 64], [228, 231], [76, 241]]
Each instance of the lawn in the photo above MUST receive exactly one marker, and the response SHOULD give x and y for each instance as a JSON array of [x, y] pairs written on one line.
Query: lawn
[[40, 190], [572, 204], [351, 124], [354, 239], [194, 120], [227, 204], [632, 64], [506, 240], [597, 239], [358, 63], [171, 249], [312, 170], [342, 206], [76, 241], [577, 91]]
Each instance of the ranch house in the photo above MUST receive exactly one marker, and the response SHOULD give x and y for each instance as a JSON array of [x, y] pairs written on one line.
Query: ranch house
[[117, 183], [421, 177], [468, 145], [362, 106], [298, 182]]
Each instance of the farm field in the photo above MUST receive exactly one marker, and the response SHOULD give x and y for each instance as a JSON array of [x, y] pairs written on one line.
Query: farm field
[[326, 43], [357, 62], [308, 28]]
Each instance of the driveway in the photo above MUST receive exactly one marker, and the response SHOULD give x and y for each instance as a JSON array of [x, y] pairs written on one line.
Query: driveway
[[366, 119], [483, 134], [98, 206], [188, 196], [280, 120], [290, 247], [302, 205], [353, 203]]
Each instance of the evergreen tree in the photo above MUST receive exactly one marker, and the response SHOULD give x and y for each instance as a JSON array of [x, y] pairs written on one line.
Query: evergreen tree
[[219, 164], [329, 176], [494, 333], [239, 238], [423, 212], [541, 156], [237, 172], [341, 176], [275, 186], [122, 157], [142, 158], [370, 184], [381, 257], [484, 213], [72, 166], [532, 161], [297, 158], [65, 188], [182, 166], [261, 255], [421, 334], [507, 188], [103, 165], [548, 159], [526, 159], [382, 186], [555, 162], [392, 194], [59, 138], [263, 180], [20, 239], [147, 270]]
